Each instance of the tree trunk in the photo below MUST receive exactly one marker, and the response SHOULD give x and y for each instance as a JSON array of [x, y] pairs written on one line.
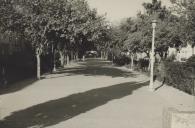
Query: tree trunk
[[106, 55], [61, 58], [77, 56], [3, 79], [67, 59], [83, 57], [112, 58], [101, 55], [71, 56], [38, 66], [192, 50], [54, 60], [132, 61]]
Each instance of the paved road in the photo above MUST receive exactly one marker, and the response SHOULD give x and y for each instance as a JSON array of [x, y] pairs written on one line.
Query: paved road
[[91, 94]]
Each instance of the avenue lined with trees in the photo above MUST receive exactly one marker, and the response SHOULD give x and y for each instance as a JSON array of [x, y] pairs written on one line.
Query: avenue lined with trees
[[63, 65], [39, 36], [66, 28]]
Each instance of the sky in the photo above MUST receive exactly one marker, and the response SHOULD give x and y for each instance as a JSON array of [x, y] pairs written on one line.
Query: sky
[[116, 10]]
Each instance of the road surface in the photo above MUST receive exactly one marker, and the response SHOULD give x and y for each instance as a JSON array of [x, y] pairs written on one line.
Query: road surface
[[91, 94]]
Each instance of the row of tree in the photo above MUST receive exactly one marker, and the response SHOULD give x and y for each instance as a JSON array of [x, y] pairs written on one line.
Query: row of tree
[[175, 28], [66, 27]]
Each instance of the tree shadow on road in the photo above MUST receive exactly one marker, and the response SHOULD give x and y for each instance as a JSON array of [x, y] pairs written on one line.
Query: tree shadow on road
[[96, 71], [95, 68], [56, 111]]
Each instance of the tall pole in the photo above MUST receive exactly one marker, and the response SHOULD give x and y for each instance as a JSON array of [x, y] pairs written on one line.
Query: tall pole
[[151, 86]]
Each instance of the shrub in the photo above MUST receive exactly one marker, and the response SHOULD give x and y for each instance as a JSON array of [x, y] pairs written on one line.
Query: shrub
[[178, 74], [143, 64], [122, 60], [171, 58], [160, 71], [191, 61]]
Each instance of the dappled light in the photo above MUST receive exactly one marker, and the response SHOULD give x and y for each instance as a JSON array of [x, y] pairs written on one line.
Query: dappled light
[[92, 67], [62, 59]]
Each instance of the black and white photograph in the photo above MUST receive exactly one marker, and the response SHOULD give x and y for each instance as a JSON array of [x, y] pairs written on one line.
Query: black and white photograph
[[97, 63]]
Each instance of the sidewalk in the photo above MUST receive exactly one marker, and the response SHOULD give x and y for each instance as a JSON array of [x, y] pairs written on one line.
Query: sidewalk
[[91, 97], [142, 109], [175, 97]]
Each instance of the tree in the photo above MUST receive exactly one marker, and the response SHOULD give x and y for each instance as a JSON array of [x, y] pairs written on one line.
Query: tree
[[136, 34], [164, 32], [64, 26], [185, 11]]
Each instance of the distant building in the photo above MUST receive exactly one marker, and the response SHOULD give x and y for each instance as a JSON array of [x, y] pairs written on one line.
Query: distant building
[[183, 54], [172, 51], [186, 52], [141, 55]]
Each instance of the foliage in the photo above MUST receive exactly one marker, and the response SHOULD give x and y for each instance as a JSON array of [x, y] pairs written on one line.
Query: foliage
[[64, 24], [178, 75], [135, 35], [143, 64], [185, 11], [122, 60], [191, 61], [52, 27], [171, 58], [155, 8]]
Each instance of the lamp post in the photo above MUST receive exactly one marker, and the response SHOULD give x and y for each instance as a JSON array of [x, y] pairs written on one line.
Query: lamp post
[[151, 85]]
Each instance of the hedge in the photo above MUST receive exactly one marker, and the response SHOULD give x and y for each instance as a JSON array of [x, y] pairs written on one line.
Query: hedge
[[176, 74], [122, 60], [179, 75]]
